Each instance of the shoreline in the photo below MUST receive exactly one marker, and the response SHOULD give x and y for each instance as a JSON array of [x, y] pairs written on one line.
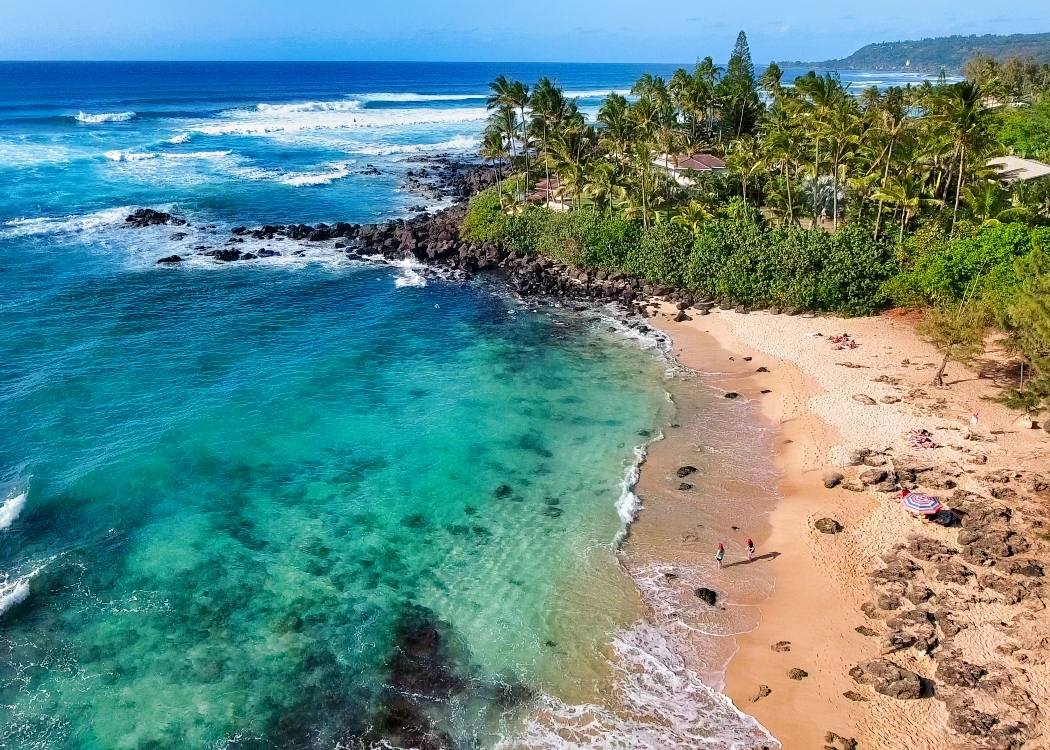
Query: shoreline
[[822, 585]]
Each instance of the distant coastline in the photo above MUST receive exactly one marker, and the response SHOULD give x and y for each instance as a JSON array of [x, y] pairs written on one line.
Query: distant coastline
[[936, 54]]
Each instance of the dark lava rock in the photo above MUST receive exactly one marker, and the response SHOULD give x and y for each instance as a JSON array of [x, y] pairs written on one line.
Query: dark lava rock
[[146, 217], [685, 487], [732, 394], [890, 679], [503, 491], [685, 471], [959, 673], [781, 646], [170, 259], [827, 526], [707, 596], [798, 674]]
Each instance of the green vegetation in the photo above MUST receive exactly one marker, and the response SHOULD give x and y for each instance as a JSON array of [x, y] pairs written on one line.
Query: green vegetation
[[827, 199], [948, 53]]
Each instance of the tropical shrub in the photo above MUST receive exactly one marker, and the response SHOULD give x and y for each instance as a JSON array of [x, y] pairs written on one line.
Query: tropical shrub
[[982, 265]]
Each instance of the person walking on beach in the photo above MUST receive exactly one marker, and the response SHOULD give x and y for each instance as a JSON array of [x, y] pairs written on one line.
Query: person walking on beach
[[720, 555], [750, 550]]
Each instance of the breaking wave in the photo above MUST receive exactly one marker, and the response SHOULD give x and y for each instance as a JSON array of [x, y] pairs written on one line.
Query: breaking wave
[[348, 105], [281, 119], [303, 179], [10, 510], [13, 593], [95, 119], [459, 143], [64, 224], [409, 97], [145, 155]]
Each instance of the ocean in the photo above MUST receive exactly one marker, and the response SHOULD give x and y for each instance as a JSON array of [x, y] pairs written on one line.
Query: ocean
[[303, 501]]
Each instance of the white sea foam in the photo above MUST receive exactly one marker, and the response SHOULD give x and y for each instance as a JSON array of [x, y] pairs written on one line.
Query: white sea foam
[[342, 105], [95, 119], [128, 155], [410, 97], [629, 504], [23, 154], [459, 143], [282, 120], [147, 155], [10, 510], [595, 93], [659, 702], [409, 275], [13, 593], [64, 224], [304, 179], [178, 139]]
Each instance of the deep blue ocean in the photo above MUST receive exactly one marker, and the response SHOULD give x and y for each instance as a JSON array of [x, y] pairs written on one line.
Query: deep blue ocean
[[234, 499]]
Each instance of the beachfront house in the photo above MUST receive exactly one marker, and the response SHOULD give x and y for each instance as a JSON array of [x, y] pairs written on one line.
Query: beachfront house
[[681, 166], [1013, 169]]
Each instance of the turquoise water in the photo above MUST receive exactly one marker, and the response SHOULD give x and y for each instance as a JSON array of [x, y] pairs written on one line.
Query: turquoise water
[[237, 480]]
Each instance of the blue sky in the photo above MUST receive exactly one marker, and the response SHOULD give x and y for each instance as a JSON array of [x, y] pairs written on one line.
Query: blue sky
[[551, 30]]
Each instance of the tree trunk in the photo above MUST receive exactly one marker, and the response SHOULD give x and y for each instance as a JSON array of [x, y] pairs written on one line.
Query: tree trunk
[[816, 178], [546, 162], [525, 146], [958, 187], [938, 379], [885, 179], [904, 222], [499, 182], [835, 195]]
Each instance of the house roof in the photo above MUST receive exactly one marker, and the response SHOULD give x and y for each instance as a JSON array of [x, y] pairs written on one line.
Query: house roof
[[698, 162], [1015, 169]]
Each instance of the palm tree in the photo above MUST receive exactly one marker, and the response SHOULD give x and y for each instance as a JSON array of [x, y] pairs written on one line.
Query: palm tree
[[494, 148], [641, 157], [603, 186], [513, 95], [820, 95], [841, 132], [988, 203], [906, 193], [548, 108], [693, 215], [617, 125], [745, 160], [890, 126], [962, 113], [771, 82], [781, 146]]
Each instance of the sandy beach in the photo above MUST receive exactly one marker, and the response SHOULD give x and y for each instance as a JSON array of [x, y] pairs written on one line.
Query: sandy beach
[[958, 611]]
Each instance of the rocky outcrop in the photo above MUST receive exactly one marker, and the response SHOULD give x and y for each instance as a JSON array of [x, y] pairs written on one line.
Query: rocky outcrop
[[890, 679], [147, 217]]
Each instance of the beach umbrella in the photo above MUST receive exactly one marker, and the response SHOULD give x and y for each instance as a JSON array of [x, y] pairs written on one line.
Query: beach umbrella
[[917, 502]]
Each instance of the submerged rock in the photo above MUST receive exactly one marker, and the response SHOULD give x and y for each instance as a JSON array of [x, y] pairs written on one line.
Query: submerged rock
[[706, 595]]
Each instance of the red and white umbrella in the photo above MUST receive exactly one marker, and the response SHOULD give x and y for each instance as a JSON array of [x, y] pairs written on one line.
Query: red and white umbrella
[[917, 502]]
